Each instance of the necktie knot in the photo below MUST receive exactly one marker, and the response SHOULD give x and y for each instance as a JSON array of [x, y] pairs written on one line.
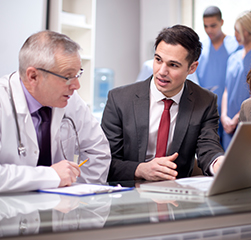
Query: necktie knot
[[45, 114], [168, 103]]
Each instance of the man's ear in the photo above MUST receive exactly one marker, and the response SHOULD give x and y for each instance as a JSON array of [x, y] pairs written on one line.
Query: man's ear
[[193, 67], [222, 22], [32, 75]]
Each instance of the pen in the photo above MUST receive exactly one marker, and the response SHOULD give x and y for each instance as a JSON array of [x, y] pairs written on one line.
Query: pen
[[83, 162]]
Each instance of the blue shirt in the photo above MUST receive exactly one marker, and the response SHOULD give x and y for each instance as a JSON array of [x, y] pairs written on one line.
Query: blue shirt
[[33, 106], [211, 71], [237, 87], [146, 71]]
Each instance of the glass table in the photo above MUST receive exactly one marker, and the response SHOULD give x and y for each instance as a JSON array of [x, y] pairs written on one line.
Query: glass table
[[125, 215]]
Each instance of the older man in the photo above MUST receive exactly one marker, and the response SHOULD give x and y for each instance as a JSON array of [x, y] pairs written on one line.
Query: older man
[[44, 122]]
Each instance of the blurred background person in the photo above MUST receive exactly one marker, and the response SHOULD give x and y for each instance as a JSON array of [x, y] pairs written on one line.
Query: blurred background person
[[236, 88], [146, 70], [216, 49]]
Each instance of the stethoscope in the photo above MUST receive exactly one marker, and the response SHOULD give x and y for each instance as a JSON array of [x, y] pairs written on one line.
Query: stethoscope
[[21, 148], [77, 138]]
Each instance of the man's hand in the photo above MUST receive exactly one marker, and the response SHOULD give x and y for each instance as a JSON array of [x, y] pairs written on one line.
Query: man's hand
[[218, 163], [158, 169], [67, 171]]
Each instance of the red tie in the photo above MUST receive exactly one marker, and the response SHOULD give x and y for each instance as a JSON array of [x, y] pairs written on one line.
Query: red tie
[[163, 131]]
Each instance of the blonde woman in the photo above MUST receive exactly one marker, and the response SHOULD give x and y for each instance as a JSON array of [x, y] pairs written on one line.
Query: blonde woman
[[236, 88]]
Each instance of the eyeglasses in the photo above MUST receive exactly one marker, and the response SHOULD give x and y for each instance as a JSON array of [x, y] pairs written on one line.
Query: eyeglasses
[[66, 78]]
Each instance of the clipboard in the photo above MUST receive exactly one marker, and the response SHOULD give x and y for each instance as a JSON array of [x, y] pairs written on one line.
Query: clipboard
[[85, 189]]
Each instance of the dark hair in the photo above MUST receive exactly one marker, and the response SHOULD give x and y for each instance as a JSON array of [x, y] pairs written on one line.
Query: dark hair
[[249, 79], [184, 36], [212, 11]]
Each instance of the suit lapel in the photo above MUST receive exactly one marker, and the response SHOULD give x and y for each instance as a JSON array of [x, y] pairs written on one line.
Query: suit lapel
[[185, 111], [141, 113]]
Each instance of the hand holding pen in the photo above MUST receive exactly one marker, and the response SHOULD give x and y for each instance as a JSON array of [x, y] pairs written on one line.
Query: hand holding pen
[[67, 171]]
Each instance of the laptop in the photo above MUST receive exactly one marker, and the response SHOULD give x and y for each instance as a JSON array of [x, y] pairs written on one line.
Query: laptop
[[234, 173]]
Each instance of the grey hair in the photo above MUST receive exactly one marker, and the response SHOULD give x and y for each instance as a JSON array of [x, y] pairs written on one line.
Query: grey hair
[[40, 48]]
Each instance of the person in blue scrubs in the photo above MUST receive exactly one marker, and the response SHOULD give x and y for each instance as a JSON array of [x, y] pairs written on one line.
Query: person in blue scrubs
[[146, 70], [216, 49], [236, 87]]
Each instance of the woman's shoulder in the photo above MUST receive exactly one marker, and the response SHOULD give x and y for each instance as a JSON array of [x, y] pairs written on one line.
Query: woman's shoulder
[[247, 103]]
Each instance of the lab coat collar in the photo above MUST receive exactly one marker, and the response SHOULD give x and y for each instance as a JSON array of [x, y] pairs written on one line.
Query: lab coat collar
[[18, 94], [23, 110]]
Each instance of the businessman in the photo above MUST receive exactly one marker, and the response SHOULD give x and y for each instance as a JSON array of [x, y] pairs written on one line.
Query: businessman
[[133, 114]]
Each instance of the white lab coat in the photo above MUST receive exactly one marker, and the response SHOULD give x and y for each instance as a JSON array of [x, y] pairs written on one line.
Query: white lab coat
[[20, 173]]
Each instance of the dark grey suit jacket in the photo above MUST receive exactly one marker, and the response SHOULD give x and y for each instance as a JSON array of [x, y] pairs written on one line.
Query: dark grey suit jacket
[[126, 124]]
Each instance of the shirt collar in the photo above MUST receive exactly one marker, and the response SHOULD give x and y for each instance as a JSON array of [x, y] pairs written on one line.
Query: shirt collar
[[158, 96], [32, 103]]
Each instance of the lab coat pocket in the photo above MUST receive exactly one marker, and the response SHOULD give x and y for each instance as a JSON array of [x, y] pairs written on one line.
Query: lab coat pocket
[[68, 146]]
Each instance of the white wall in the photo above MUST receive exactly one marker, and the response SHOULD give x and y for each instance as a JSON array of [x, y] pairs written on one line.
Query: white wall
[[117, 39], [154, 16], [18, 20], [126, 31]]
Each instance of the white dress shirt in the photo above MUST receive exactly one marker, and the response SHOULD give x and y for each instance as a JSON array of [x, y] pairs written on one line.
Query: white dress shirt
[[156, 109]]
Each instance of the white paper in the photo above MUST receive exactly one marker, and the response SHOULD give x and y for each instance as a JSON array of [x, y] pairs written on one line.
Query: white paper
[[85, 189]]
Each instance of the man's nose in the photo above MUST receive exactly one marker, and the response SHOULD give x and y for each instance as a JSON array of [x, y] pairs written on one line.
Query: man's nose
[[74, 84], [163, 69]]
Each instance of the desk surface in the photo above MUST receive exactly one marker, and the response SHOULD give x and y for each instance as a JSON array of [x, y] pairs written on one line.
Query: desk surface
[[125, 215]]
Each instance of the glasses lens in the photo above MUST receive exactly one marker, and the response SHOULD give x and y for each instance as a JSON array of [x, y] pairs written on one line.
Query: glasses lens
[[80, 73], [77, 76]]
